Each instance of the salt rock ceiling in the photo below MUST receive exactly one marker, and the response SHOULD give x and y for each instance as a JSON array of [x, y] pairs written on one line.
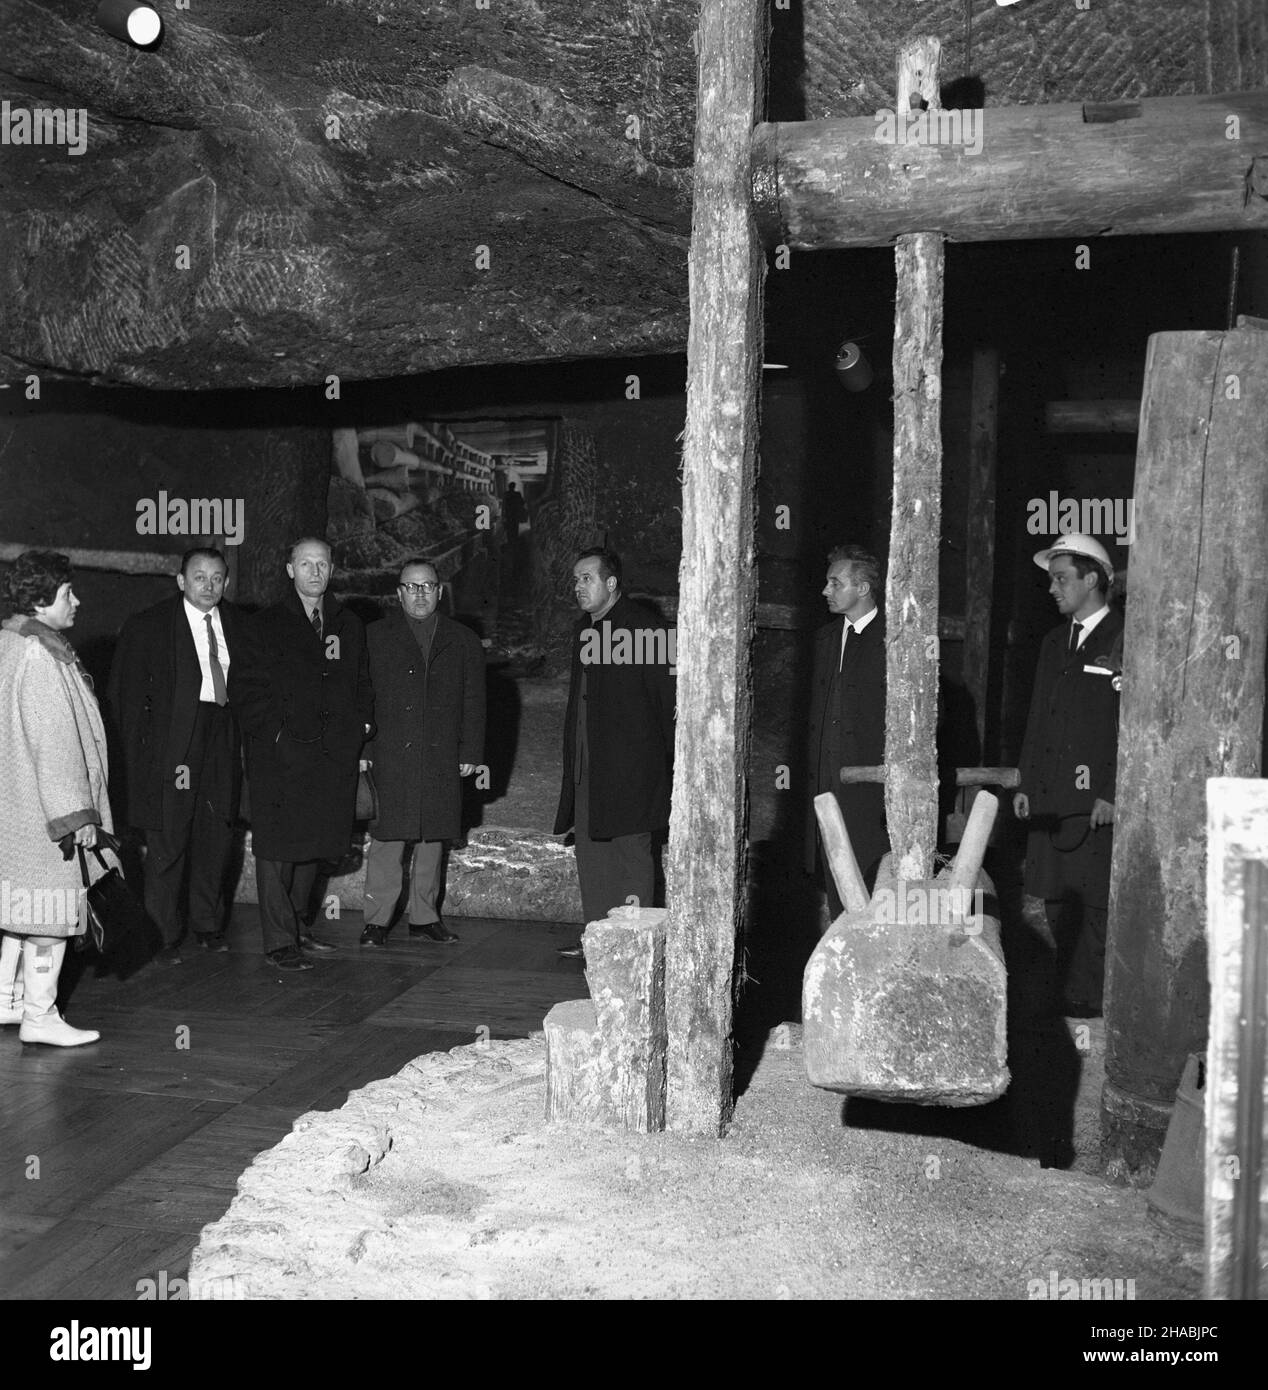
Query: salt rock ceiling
[[334, 167]]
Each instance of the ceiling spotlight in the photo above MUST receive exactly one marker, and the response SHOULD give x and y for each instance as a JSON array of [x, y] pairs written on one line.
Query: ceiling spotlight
[[854, 371], [133, 23]]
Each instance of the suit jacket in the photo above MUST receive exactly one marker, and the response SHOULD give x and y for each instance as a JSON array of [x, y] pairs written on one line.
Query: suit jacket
[[629, 730], [849, 732], [430, 718], [303, 703], [155, 679], [1068, 760]]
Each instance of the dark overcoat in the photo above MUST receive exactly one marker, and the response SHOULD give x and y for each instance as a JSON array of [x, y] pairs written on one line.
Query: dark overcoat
[[155, 679], [429, 718], [629, 729], [1068, 760], [303, 703], [847, 729]]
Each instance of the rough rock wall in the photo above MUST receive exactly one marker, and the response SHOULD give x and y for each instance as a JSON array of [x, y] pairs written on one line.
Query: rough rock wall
[[332, 170]]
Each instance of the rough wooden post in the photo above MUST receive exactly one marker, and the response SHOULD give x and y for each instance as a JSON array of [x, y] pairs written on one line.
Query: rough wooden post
[[979, 534], [1236, 1073], [911, 589], [707, 841], [1193, 706]]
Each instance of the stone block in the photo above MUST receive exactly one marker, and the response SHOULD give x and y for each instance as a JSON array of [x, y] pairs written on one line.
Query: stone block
[[606, 1055], [906, 1001]]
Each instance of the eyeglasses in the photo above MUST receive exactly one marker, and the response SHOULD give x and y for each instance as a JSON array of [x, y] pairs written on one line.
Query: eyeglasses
[[426, 588]]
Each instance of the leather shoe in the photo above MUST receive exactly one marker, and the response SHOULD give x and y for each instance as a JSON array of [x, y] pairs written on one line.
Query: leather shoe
[[288, 958], [169, 955], [211, 942], [374, 936], [574, 952], [308, 942], [432, 931]]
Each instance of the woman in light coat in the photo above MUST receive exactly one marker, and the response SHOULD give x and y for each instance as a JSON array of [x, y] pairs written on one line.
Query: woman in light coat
[[53, 771]]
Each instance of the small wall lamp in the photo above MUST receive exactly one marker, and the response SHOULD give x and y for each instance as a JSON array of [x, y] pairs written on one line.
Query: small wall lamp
[[132, 23]]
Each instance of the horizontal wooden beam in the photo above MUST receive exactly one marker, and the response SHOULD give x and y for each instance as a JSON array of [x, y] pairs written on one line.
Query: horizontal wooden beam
[[964, 776], [1091, 417], [1038, 171], [114, 561]]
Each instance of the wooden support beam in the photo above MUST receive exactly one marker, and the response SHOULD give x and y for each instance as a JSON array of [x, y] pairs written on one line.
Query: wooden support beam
[[1040, 171], [979, 534], [1192, 708], [911, 587], [1091, 417], [964, 776], [1236, 1159], [112, 561], [705, 871]]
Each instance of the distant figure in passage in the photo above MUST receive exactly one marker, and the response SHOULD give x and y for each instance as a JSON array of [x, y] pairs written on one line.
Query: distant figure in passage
[[182, 752], [53, 774], [428, 676], [618, 740], [302, 696], [847, 711], [1068, 764]]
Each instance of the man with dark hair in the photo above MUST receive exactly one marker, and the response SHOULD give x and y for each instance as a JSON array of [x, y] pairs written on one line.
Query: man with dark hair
[[182, 759], [428, 675], [847, 711], [618, 740], [1068, 765], [302, 694]]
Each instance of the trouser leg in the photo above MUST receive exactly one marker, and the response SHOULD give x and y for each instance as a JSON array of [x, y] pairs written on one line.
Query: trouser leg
[[279, 921], [166, 854], [382, 881], [211, 833], [612, 872], [424, 882], [1085, 976]]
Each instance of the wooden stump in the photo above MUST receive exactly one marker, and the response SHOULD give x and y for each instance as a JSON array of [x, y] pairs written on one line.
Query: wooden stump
[[605, 1056]]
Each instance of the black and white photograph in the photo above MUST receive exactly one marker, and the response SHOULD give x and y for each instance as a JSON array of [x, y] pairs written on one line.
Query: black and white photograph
[[632, 667]]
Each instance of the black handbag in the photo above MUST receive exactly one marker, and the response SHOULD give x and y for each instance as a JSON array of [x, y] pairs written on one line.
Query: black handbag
[[114, 912]]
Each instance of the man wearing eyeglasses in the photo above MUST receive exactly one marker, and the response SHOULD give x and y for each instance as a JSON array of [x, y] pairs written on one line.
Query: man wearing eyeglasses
[[428, 676], [302, 695], [1068, 764]]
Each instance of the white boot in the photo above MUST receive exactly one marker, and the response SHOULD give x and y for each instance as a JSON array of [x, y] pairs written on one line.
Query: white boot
[[10, 979], [41, 1023]]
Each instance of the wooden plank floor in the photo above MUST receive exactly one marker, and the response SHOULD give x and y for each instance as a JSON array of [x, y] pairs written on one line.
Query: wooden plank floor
[[114, 1156]]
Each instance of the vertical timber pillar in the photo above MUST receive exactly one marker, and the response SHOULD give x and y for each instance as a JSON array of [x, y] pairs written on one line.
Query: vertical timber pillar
[[911, 588], [1236, 1206], [1193, 706], [707, 838], [979, 548]]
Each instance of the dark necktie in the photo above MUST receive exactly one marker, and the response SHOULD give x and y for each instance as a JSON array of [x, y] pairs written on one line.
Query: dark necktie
[[217, 675], [1075, 629], [317, 622]]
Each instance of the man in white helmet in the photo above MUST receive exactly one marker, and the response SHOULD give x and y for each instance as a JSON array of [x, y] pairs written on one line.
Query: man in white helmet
[[1067, 767]]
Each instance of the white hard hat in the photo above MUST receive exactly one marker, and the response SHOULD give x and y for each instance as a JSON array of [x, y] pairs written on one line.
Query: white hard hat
[[1078, 544]]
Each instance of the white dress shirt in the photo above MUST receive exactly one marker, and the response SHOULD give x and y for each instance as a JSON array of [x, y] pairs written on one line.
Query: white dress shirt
[[198, 627], [858, 627]]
